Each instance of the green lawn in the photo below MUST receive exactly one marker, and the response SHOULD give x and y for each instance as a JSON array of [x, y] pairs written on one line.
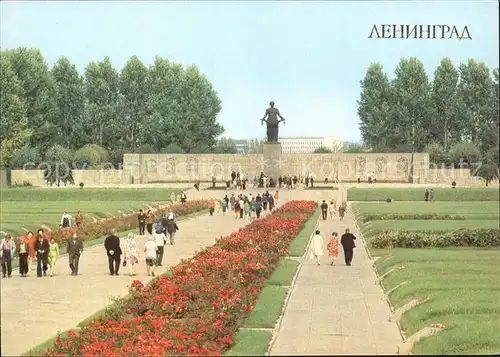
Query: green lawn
[[25, 209], [464, 290], [250, 343], [417, 194], [373, 227], [299, 244], [471, 210], [268, 308]]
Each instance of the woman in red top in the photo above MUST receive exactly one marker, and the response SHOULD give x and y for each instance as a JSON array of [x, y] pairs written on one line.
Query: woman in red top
[[333, 247], [30, 239], [150, 218]]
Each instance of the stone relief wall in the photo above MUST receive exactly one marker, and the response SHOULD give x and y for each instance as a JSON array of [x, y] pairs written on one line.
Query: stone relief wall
[[179, 167]]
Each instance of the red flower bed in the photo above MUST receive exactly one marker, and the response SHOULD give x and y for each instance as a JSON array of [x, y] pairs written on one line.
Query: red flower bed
[[197, 309], [92, 230]]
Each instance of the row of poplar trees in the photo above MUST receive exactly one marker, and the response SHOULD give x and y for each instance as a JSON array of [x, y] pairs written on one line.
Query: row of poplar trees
[[165, 106], [452, 116]]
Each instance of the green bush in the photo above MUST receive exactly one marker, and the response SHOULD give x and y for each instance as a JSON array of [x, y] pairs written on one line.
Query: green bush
[[27, 158], [482, 238], [396, 216], [417, 194], [90, 156]]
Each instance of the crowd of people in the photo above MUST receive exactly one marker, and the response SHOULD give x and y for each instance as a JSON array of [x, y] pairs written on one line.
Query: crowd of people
[[244, 206]]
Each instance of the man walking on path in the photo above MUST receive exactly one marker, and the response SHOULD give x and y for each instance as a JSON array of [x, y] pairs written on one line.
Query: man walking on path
[[114, 252], [74, 249], [7, 252], [171, 229], [324, 210], [348, 244], [142, 222], [160, 240]]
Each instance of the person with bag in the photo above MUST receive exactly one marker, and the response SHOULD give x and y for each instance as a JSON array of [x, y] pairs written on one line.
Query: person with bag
[[160, 241], [317, 247]]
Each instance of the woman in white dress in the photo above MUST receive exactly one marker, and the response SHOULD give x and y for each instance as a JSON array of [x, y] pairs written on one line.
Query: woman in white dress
[[317, 247], [131, 253]]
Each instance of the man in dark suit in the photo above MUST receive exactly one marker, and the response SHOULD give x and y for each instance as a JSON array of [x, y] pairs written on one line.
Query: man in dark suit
[[112, 246], [324, 209], [74, 250], [348, 244]]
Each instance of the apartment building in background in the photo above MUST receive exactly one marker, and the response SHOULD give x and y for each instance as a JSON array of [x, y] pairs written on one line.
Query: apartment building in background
[[307, 144]]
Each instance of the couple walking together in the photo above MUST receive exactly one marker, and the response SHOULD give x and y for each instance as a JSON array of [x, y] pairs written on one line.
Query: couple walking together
[[347, 241]]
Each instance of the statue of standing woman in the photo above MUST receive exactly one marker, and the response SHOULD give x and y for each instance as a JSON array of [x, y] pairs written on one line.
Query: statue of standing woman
[[271, 119]]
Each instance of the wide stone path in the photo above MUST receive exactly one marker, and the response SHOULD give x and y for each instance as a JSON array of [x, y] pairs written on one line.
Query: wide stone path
[[36, 309], [337, 309]]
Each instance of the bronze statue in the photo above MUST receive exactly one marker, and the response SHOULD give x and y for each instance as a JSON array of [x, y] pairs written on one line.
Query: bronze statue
[[272, 121]]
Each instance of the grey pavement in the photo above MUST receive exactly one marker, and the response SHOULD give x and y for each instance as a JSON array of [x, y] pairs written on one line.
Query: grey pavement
[[337, 309], [36, 309]]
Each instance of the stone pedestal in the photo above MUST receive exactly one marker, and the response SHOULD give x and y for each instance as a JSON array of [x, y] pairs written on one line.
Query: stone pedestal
[[272, 158]]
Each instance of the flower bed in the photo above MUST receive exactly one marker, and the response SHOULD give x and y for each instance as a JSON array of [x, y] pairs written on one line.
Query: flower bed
[[198, 308], [92, 230]]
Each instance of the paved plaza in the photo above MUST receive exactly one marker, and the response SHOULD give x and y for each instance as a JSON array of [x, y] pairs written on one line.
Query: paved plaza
[[331, 310]]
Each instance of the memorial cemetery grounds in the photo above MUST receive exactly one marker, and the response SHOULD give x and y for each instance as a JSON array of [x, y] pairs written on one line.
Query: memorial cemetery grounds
[[446, 251]]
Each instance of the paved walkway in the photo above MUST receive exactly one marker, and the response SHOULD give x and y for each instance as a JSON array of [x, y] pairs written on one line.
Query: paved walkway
[[337, 309], [36, 309]]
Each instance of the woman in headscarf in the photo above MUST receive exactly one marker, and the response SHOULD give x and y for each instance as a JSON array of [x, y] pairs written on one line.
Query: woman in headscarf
[[131, 254]]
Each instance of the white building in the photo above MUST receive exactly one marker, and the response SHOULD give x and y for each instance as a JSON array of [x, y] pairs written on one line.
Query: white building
[[307, 144]]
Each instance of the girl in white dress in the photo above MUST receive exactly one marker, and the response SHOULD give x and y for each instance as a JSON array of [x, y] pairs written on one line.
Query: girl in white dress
[[317, 247], [131, 253]]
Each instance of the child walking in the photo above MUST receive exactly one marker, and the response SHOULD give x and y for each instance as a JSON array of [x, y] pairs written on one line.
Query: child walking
[[333, 247]]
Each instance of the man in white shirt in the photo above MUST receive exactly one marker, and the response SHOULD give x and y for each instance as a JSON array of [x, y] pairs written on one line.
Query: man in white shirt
[[65, 220]]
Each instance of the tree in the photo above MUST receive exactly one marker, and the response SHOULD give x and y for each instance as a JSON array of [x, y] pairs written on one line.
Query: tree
[[39, 93], [488, 172], [375, 108], [103, 98], [225, 146], [445, 128], [58, 166], [70, 101], [255, 146], [14, 130], [465, 152], [412, 104], [437, 154], [90, 156], [354, 148], [475, 91], [26, 158], [322, 150], [172, 149], [135, 101], [185, 108]]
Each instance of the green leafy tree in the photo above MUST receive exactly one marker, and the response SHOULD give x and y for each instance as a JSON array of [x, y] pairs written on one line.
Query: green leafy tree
[[437, 154], [14, 130], [375, 108], [322, 150], [225, 146], [70, 101], [445, 128], [103, 103], [39, 93], [58, 165], [465, 153], [173, 148], [90, 156], [475, 91], [412, 104], [255, 146], [26, 158], [135, 101], [354, 148]]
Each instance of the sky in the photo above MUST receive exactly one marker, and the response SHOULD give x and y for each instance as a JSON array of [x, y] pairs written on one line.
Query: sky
[[306, 56]]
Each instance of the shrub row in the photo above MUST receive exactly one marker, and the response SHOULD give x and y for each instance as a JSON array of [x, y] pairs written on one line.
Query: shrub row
[[367, 217], [197, 309], [483, 238], [99, 228], [417, 194]]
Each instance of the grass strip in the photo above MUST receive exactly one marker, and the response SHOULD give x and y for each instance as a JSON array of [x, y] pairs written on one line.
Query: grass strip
[[300, 243], [250, 343], [268, 308], [42, 347], [284, 273], [417, 194]]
